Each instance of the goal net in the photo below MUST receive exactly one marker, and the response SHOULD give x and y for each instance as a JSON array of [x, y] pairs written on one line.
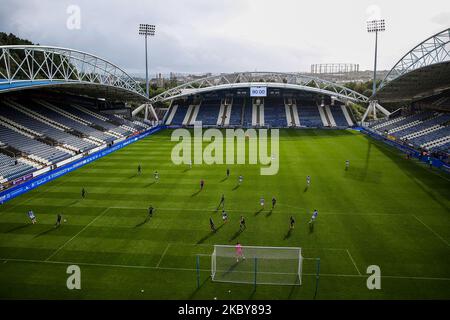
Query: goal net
[[257, 265]]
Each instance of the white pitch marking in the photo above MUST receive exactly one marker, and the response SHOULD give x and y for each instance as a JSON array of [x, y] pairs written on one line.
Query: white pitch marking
[[162, 256], [85, 227], [351, 258], [429, 228], [208, 270]]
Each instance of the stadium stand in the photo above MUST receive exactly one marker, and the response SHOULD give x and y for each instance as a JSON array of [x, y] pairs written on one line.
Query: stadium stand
[[94, 118], [11, 169], [428, 130], [274, 112], [236, 112], [209, 112], [338, 116], [247, 116], [120, 120], [51, 112], [35, 124], [26, 143], [180, 114], [246, 112], [37, 133], [309, 114]]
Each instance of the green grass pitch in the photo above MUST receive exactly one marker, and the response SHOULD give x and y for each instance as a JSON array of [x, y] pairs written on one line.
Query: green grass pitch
[[385, 210]]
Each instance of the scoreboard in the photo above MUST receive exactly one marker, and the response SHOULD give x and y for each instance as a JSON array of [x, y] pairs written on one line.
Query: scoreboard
[[258, 91]]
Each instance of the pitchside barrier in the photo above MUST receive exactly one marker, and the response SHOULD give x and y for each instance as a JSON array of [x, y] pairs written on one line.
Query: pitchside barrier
[[24, 187], [406, 149]]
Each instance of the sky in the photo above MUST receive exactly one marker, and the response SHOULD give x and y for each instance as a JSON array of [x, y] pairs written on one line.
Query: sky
[[195, 36]]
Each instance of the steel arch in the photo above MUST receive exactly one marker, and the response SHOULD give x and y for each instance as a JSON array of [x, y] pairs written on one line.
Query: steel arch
[[27, 66], [272, 79], [435, 49]]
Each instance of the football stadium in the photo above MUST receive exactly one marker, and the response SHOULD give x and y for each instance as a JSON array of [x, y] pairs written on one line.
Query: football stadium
[[259, 185]]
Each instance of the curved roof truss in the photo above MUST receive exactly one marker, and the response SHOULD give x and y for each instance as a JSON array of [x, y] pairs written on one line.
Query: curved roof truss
[[29, 66], [434, 50], [271, 79]]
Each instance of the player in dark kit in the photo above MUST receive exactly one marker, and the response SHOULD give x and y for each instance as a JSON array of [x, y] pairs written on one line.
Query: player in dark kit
[[242, 225], [228, 172], [291, 222], [150, 211], [222, 202], [83, 193], [139, 169], [58, 220], [202, 183], [274, 202], [211, 225]]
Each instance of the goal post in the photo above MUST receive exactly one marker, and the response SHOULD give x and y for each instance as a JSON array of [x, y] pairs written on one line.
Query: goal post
[[257, 265]]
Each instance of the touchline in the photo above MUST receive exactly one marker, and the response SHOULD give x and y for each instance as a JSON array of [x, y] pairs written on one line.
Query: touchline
[[235, 147]]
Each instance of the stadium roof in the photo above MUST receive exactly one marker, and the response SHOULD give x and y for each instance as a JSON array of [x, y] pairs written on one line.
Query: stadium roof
[[294, 81], [61, 69], [422, 72]]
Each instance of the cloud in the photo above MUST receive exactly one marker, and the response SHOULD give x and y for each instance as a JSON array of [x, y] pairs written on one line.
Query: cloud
[[226, 35], [442, 19]]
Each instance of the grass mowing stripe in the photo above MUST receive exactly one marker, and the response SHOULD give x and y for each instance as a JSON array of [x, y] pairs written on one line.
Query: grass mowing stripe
[[76, 235], [34, 196], [364, 209], [429, 228], [208, 270], [253, 211]]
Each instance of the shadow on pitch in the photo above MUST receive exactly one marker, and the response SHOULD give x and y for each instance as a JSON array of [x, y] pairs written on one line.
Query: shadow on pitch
[[418, 174], [43, 233], [288, 234], [140, 224], [259, 211], [196, 193], [268, 214], [292, 291], [237, 234], [23, 226], [150, 184], [192, 296], [224, 179], [252, 294], [209, 235], [231, 268], [236, 187]]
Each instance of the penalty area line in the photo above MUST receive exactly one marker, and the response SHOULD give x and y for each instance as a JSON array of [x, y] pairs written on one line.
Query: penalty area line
[[163, 254], [353, 261]]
